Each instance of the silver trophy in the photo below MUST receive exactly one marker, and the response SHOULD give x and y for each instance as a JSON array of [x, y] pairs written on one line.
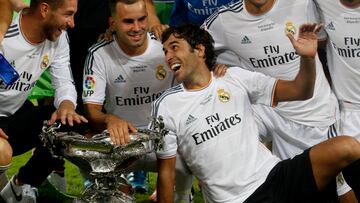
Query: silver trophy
[[105, 161]]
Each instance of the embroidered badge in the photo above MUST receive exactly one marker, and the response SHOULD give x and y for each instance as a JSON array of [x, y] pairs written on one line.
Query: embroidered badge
[[160, 72], [44, 61], [223, 95], [290, 28]]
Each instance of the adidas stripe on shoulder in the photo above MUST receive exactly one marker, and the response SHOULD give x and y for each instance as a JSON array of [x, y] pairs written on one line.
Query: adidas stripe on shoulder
[[12, 31], [170, 91], [90, 58], [235, 7]]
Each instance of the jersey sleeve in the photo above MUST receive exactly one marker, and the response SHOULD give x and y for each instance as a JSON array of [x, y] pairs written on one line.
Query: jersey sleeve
[[61, 75], [259, 87], [170, 140], [94, 79]]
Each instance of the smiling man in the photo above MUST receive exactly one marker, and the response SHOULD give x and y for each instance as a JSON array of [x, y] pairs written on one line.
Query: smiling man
[[123, 76], [34, 42], [212, 126]]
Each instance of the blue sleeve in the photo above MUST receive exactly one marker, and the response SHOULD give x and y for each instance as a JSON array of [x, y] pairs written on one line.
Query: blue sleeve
[[178, 14]]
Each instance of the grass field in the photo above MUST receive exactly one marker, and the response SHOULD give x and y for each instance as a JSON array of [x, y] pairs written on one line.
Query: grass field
[[75, 184]]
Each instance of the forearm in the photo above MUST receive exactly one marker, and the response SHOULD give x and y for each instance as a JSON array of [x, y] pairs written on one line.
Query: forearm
[[165, 180], [5, 17], [18, 5], [96, 117], [305, 80], [302, 87], [152, 16]]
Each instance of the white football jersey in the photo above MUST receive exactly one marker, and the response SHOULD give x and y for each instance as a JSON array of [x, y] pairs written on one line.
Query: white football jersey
[[260, 44], [214, 131], [126, 85], [342, 25], [30, 61]]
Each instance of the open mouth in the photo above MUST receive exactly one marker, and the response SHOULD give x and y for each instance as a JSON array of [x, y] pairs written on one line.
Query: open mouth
[[175, 67]]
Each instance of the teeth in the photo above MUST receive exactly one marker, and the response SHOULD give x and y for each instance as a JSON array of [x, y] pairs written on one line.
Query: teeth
[[175, 67]]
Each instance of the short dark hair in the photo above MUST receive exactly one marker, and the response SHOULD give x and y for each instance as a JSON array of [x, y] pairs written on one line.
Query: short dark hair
[[112, 4], [194, 35], [54, 4]]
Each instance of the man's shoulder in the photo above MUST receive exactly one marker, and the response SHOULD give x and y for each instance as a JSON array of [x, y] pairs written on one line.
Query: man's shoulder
[[169, 94], [100, 46], [154, 41], [13, 29], [222, 12]]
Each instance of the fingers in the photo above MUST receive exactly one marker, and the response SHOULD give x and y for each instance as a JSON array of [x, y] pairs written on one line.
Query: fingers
[[101, 37], [158, 30], [119, 136], [108, 35], [310, 28], [220, 70], [53, 118], [318, 27], [291, 38], [120, 130], [3, 134], [73, 116], [67, 117]]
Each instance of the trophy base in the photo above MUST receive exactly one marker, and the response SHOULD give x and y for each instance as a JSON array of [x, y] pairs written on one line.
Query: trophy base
[[108, 188]]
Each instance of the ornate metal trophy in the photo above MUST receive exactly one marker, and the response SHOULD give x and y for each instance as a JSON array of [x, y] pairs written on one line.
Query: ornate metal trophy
[[105, 160]]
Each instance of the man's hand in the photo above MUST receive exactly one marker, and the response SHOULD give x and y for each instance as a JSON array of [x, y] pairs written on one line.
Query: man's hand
[[220, 70], [306, 44], [66, 113], [158, 29], [18, 5], [3, 134], [119, 129], [108, 35]]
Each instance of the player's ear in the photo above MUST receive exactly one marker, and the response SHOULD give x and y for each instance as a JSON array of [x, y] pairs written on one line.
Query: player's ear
[[201, 50], [111, 21], [44, 9]]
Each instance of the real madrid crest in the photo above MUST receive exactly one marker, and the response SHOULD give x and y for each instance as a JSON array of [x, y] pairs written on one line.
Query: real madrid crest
[[290, 28], [223, 95], [160, 72], [44, 61]]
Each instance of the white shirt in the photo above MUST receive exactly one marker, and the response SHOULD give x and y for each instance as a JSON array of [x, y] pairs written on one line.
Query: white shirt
[[342, 25], [259, 43], [30, 61], [214, 131], [126, 85]]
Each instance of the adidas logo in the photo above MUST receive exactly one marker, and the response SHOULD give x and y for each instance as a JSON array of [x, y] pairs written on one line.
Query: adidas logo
[[330, 26], [245, 40], [190, 119], [120, 79]]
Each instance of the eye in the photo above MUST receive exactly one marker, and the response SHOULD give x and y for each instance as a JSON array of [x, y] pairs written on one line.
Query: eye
[[128, 21], [174, 47], [142, 18]]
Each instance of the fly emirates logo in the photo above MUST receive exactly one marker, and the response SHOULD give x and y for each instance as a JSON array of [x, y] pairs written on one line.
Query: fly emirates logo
[[23, 84], [351, 48], [274, 57], [216, 127]]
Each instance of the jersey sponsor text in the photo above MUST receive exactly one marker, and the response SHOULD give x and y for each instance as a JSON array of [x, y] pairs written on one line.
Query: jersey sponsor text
[[139, 99], [348, 51], [215, 130]]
